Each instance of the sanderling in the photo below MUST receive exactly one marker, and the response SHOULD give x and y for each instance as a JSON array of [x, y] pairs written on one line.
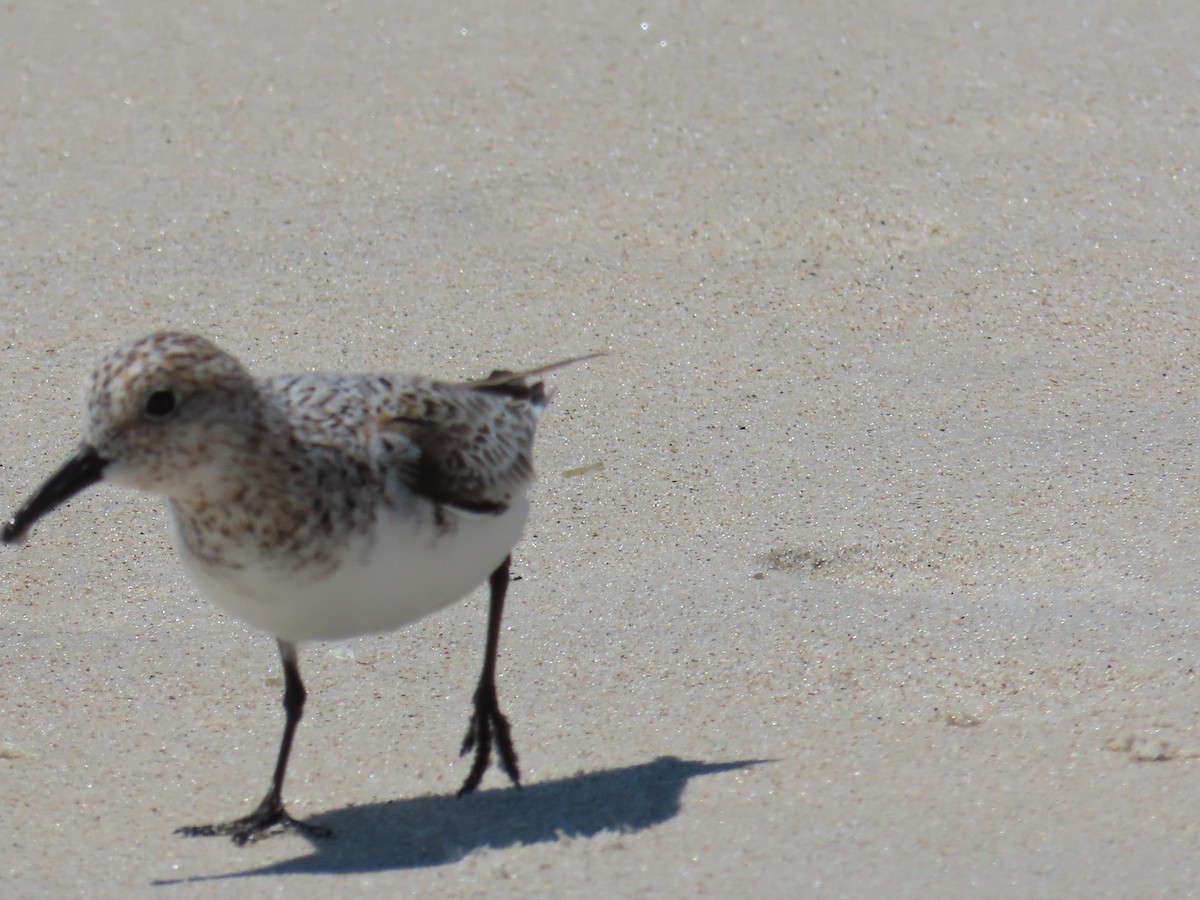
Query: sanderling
[[318, 506]]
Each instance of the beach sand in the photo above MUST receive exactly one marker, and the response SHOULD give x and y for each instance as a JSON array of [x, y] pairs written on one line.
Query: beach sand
[[880, 575]]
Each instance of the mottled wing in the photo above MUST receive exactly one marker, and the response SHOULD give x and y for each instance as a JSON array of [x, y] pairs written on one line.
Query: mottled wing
[[467, 445], [474, 443]]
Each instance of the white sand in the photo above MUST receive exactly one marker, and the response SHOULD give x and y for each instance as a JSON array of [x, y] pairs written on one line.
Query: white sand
[[897, 434]]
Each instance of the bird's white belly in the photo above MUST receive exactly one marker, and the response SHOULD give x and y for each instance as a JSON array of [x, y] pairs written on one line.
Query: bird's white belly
[[406, 569]]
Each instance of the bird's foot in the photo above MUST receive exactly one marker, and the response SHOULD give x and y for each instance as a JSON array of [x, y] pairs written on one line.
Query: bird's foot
[[487, 727], [270, 818]]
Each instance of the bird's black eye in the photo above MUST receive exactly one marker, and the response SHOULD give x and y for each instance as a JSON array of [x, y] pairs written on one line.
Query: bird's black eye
[[160, 404]]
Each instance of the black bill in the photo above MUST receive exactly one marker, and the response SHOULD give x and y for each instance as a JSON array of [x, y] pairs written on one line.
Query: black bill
[[85, 468]]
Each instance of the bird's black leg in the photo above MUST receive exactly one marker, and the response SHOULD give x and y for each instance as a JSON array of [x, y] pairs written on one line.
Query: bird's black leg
[[270, 817], [487, 723]]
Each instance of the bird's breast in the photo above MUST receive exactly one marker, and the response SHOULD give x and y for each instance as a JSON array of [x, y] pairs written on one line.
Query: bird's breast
[[404, 566]]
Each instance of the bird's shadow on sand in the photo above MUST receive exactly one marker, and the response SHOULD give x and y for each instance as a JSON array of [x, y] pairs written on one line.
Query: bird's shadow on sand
[[436, 830]]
